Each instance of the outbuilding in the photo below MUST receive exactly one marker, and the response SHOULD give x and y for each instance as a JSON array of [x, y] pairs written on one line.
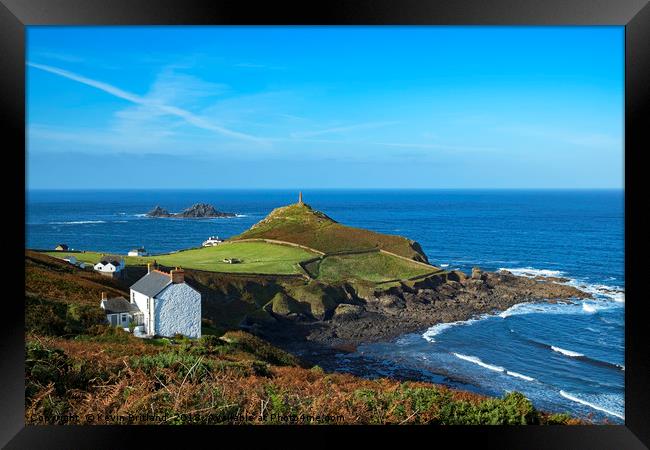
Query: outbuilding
[[110, 266]]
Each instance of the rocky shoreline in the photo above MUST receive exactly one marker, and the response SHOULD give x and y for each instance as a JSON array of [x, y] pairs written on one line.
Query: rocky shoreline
[[401, 311]]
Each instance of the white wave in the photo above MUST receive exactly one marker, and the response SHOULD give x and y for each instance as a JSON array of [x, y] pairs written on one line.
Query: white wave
[[566, 352], [478, 361], [589, 308], [614, 293], [140, 215], [440, 327], [531, 308], [519, 375], [531, 272], [77, 222], [562, 308], [475, 360], [591, 405], [241, 215], [444, 265]]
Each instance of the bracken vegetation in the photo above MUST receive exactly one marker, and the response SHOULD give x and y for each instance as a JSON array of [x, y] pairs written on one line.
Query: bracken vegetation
[[80, 371]]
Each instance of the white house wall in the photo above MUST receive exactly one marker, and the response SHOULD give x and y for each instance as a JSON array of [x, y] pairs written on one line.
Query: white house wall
[[142, 302], [177, 309]]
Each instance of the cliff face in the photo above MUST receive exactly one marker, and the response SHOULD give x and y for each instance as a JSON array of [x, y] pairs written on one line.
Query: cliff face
[[301, 224]]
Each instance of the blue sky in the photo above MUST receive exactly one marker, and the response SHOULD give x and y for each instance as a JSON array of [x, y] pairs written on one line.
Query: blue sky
[[325, 107]]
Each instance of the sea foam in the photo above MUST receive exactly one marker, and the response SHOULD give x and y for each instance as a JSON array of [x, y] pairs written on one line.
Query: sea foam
[[77, 222], [595, 406], [439, 328], [475, 360], [568, 353], [589, 308], [479, 362], [614, 293], [531, 272], [519, 375]]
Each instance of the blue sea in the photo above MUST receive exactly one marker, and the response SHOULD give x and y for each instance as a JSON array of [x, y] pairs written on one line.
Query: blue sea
[[564, 357]]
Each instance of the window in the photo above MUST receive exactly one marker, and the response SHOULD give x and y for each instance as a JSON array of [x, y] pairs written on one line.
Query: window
[[124, 317]]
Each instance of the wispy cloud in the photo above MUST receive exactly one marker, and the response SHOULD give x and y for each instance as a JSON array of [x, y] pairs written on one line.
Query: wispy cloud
[[435, 146], [343, 129], [259, 66], [585, 139], [157, 105]]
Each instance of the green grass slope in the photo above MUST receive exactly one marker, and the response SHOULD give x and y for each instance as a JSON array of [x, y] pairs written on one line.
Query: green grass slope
[[255, 257], [300, 224], [374, 267]]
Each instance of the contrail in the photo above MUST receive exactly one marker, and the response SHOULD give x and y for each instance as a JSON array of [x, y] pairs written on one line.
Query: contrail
[[133, 98]]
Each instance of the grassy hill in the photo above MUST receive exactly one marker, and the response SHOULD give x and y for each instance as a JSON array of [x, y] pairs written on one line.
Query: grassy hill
[[255, 257], [76, 366], [373, 267], [300, 224]]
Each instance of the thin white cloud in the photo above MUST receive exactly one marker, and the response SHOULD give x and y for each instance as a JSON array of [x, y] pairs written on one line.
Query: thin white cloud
[[188, 116], [343, 129], [435, 146], [389, 144], [586, 139]]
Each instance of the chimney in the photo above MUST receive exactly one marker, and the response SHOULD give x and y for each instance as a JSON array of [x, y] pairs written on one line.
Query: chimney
[[103, 296], [178, 275]]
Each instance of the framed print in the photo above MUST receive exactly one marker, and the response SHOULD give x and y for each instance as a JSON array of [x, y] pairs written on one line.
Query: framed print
[[258, 218]]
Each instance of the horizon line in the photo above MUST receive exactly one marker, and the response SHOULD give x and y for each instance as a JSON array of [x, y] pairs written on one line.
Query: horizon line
[[620, 188]]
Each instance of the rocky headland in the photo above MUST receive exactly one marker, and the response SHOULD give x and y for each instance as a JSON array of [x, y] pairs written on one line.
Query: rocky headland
[[449, 297]]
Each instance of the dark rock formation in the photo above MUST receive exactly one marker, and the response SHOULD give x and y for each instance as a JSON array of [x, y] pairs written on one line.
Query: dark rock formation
[[385, 315], [199, 210], [159, 212], [196, 211]]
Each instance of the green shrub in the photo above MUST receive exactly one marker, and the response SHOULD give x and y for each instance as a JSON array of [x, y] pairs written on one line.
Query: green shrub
[[513, 409], [51, 318], [558, 419], [181, 364], [45, 365], [260, 348]]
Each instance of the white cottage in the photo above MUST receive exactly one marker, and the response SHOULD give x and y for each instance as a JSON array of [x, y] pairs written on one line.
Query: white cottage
[[120, 312], [169, 306], [111, 266], [138, 252], [212, 241]]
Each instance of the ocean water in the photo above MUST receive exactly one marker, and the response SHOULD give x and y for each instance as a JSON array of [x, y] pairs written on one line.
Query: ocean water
[[565, 357]]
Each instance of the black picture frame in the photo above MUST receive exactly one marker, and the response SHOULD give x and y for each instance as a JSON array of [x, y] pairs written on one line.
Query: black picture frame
[[15, 15]]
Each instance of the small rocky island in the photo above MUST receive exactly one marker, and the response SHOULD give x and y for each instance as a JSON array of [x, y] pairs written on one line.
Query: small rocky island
[[196, 211]]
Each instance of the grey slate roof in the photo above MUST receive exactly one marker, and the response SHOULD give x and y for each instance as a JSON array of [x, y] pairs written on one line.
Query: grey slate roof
[[119, 305], [152, 283], [115, 260]]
